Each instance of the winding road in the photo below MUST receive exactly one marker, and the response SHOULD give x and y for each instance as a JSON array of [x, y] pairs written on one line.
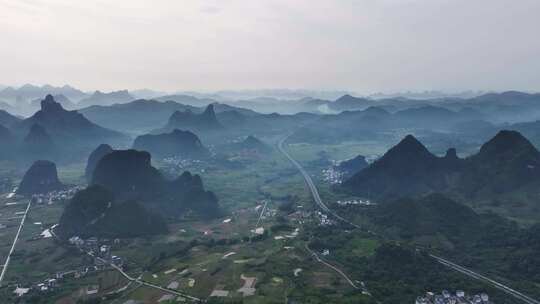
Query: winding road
[[449, 264]]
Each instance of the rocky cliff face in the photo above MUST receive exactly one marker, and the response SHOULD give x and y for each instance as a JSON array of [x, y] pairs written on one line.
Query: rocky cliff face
[[94, 158], [187, 120], [129, 175], [95, 212], [42, 177]]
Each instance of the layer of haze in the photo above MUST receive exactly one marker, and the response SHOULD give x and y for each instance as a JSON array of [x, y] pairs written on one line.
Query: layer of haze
[[364, 45]]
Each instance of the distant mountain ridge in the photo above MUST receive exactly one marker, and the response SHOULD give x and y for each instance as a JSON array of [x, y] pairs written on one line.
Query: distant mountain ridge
[[142, 115], [506, 163], [29, 92], [176, 143], [63, 125], [187, 120], [101, 98]]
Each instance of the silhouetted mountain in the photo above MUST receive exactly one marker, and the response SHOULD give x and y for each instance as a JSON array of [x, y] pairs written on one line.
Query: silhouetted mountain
[[94, 158], [42, 177], [187, 120], [130, 175], [61, 99], [69, 129], [105, 99], [506, 163], [353, 165], [407, 168], [177, 143], [7, 119], [94, 212]]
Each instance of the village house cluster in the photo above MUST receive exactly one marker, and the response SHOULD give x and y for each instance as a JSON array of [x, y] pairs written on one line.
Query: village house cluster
[[446, 297], [332, 175], [100, 250], [323, 219], [358, 202], [55, 196]]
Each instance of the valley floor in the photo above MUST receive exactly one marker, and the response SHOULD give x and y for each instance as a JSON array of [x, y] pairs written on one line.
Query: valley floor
[[257, 252]]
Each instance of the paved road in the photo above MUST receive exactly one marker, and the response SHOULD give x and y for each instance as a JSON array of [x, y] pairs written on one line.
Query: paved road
[[319, 202], [463, 270], [6, 264], [262, 213], [485, 279], [312, 187], [316, 256]]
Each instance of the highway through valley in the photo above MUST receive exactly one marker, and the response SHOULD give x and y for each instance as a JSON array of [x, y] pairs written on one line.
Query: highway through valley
[[451, 265]]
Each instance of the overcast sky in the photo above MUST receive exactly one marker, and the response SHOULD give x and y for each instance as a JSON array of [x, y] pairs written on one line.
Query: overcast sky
[[364, 45]]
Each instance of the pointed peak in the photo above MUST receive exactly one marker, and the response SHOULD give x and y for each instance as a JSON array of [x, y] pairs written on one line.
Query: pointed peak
[[49, 104], [410, 145], [209, 109], [49, 98], [506, 140], [410, 140]]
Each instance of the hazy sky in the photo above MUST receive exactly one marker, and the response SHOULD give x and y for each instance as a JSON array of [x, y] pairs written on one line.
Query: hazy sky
[[364, 45]]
